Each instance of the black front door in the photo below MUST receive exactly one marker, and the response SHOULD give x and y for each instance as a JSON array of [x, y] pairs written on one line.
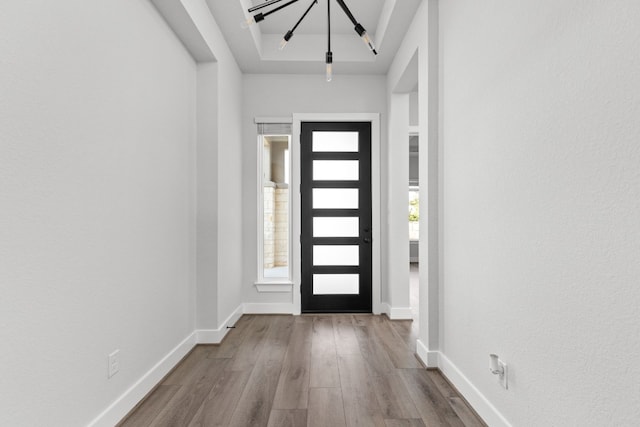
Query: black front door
[[336, 217]]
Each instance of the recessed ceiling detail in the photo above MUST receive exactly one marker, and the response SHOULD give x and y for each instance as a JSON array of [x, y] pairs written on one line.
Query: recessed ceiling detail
[[257, 49], [261, 11]]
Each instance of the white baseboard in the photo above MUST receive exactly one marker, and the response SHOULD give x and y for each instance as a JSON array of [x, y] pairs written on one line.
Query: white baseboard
[[401, 313], [397, 313], [476, 399], [377, 308], [215, 336], [385, 308], [429, 358], [130, 398], [277, 308]]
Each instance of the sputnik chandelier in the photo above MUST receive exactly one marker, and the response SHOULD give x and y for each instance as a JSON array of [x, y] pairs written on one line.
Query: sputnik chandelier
[[258, 17]]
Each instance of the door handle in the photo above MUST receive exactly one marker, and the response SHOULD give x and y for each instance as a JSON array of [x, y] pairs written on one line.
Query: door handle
[[366, 240]]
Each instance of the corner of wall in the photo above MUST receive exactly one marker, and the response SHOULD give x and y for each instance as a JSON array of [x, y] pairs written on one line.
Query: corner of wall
[[427, 357], [396, 313], [215, 336]]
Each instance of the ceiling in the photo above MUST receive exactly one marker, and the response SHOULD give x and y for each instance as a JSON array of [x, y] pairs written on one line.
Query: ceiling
[[256, 48]]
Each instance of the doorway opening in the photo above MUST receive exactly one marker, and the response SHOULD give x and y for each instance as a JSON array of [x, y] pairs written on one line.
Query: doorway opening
[[414, 225]]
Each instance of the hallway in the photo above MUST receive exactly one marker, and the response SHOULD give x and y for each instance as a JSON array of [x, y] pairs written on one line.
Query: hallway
[[133, 168], [321, 370]]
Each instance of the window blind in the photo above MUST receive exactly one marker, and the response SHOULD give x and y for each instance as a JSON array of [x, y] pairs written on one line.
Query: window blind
[[274, 128]]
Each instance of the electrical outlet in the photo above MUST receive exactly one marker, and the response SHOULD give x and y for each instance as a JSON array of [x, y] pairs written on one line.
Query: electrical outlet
[[114, 363], [505, 376]]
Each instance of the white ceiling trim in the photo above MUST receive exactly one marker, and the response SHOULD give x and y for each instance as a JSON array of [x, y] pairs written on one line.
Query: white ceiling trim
[[256, 33], [257, 48], [383, 22], [183, 25], [309, 47]]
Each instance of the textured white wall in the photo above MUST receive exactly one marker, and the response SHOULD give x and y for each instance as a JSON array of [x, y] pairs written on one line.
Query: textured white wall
[[283, 95], [207, 188], [414, 109], [97, 133], [230, 178], [541, 108], [397, 159]]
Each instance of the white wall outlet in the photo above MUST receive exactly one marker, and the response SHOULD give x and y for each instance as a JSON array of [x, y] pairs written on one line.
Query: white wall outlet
[[499, 368], [505, 375], [114, 363]]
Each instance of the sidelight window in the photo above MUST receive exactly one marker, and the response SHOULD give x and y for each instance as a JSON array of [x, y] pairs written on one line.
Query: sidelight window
[[274, 211]]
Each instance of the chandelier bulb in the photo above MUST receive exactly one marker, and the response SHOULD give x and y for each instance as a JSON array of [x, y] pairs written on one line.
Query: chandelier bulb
[[286, 39], [258, 17], [367, 40], [329, 62], [247, 22]]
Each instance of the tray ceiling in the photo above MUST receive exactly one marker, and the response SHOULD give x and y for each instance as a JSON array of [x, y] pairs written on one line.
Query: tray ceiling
[[256, 49]]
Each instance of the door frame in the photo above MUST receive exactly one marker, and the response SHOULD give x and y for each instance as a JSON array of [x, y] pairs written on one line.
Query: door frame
[[376, 258]]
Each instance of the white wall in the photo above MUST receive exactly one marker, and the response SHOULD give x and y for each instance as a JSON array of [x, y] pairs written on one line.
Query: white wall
[[97, 145], [414, 109], [541, 101], [230, 179], [281, 96], [397, 160], [207, 190]]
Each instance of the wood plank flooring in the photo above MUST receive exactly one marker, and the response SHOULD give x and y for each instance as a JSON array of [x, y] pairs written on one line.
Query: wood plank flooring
[[306, 371]]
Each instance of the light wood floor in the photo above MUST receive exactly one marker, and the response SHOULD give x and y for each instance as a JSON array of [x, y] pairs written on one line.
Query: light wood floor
[[324, 370]]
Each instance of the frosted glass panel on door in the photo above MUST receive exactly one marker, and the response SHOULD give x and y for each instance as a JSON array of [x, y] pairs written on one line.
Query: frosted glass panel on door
[[336, 227], [335, 198], [336, 170], [336, 284], [342, 142], [336, 255]]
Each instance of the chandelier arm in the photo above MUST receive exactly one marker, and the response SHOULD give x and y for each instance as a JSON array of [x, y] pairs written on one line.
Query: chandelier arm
[[259, 17], [328, 25], [346, 10], [313, 3], [358, 27], [329, 55], [289, 33], [279, 8], [263, 5]]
